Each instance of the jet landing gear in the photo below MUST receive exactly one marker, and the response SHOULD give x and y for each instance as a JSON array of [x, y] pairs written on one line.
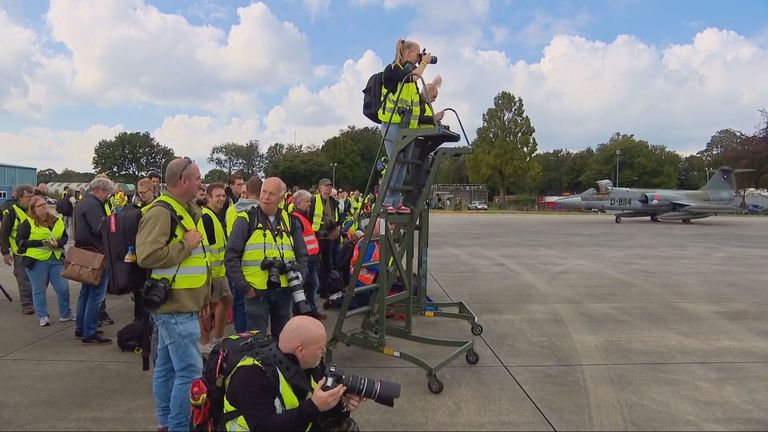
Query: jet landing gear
[[618, 219], [654, 218], [686, 221]]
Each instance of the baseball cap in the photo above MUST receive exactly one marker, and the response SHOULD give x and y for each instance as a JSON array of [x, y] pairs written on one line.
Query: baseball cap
[[325, 181]]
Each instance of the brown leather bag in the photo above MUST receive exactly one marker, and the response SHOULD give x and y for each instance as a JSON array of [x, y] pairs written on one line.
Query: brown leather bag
[[84, 266]]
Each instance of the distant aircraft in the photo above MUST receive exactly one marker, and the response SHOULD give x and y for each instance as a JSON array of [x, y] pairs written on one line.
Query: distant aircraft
[[715, 197]]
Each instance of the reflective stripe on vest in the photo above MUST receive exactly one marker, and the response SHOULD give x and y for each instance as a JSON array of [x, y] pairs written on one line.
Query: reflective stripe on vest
[[193, 271], [20, 217], [409, 101], [366, 276], [285, 400], [317, 217], [262, 244], [230, 217], [215, 252], [43, 253], [310, 239]]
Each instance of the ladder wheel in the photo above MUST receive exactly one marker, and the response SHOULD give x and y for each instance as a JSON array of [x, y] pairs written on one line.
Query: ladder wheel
[[477, 329], [435, 385], [472, 357]]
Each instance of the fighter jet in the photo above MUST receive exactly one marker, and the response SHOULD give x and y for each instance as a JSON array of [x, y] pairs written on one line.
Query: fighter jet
[[717, 196]]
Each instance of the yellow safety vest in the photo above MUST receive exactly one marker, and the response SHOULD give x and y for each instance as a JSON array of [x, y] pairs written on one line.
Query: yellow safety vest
[[37, 232], [109, 205], [317, 216], [285, 401], [262, 244], [215, 251], [193, 271], [230, 216], [428, 113], [20, 217], [408, 101], [356, 204]]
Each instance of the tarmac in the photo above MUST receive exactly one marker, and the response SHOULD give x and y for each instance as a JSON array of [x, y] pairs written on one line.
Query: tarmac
[[588, 325]]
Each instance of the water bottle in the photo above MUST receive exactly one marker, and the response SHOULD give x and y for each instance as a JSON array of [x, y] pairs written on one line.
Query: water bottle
[[130, 257]]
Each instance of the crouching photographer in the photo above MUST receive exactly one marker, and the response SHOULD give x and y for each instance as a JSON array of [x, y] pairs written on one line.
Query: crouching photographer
[[284, 388]]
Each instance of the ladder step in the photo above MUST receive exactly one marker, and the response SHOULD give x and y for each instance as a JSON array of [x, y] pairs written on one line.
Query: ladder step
[[399, 297], [366, 288], [410, 161], [370, 264], [358, 311]]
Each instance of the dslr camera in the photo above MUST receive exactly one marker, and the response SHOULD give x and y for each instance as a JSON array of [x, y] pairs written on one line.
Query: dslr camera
[[380, 391], [276, 268], [424, 52], [273, 269], [155, 292]]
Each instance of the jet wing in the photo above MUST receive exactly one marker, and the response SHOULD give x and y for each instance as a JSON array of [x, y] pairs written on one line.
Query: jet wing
[[706, 208]]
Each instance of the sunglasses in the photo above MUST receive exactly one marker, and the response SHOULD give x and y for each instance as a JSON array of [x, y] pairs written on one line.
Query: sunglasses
[[188, 163]]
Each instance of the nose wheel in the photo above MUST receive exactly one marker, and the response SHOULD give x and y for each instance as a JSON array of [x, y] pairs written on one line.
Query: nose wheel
[[618, 219]]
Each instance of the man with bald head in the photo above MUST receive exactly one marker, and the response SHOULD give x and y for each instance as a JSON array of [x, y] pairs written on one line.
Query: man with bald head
[[177, 258], [263, 241], [258, 386]]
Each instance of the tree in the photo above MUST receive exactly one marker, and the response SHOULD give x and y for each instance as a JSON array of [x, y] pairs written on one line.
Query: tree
[[692, 173], [502, 153], [46, 175], [231, 157], [640, 164], [452, 171], [354, 151], [68, 175], [215, 175], [130, 155]]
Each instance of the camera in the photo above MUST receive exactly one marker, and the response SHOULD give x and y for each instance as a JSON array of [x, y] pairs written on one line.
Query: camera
[[296, 285], [155, 292], [273, 267], [424, 52], [380, 391]]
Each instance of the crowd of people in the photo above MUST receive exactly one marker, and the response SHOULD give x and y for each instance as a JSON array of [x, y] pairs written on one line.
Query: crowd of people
[[221, 253]]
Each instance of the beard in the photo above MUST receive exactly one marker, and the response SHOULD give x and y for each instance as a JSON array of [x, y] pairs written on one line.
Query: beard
[[201, 201]]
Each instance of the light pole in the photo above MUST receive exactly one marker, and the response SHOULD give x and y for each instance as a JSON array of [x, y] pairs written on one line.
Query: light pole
[[618, 153], [333, 173]]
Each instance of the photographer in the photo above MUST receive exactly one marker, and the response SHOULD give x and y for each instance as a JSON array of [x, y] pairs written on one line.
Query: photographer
[[180, 281], [403, 111], [323, 211], [283, 391], [263, 243]]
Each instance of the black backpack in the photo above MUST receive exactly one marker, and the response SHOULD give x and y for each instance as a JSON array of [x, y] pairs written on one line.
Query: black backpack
[[118, 235], [129, 337], [207, 392], [372, 97], [64, 206]]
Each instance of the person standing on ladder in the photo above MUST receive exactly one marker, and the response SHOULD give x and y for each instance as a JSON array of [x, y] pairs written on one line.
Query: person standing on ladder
[[401, 112]]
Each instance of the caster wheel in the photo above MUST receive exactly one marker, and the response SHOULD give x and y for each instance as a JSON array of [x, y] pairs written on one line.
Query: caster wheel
[[472, 357], [477, 329], [435, 385], [618, 219]]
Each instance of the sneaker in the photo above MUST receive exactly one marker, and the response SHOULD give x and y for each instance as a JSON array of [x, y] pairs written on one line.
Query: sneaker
[[95, 340], [106, 319], [402, 209], [390, 209], [79, 334], [45, 321], [71, 317]]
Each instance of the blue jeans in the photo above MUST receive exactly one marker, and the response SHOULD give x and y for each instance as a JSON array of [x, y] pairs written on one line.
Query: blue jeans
[[394, 198], [269, 306], [40, 275], [88, 305], [238, 310], [311, 284], [178, 363]]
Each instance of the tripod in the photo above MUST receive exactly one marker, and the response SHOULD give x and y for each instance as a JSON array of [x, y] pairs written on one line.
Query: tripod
[[8, 296]]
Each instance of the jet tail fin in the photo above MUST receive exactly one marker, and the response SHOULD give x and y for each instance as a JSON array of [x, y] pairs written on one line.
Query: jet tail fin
[[723, 179]]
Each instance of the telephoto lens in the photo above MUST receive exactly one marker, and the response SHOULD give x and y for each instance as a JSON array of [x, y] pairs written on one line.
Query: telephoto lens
[[380, 391], [296, 285]]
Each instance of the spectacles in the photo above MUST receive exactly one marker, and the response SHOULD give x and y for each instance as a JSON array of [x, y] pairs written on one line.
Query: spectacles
[[41, 205], [188, 163]]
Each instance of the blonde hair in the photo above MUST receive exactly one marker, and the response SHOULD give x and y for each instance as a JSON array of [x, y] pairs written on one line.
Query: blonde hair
[[400, 47], [431, 87], [49, 220], [145, 182]]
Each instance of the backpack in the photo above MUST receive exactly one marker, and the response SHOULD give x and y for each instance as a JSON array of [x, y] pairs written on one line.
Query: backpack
[[118, 235], [372, 97], [207, 392], [129, 337], [64, 206]]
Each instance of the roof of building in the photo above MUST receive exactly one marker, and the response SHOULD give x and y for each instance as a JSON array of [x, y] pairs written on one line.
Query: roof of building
[[16, 166]]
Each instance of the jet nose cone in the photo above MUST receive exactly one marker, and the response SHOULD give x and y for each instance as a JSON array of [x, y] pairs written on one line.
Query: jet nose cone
[[571, 201]]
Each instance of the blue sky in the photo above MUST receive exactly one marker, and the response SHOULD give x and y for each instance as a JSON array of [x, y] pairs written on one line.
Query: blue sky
[[198, 73]]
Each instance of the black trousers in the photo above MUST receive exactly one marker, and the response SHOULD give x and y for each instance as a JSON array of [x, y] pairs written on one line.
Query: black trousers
[[326, 265]]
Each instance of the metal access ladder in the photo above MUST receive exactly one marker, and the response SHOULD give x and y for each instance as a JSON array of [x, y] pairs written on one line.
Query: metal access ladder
[[403, 237]]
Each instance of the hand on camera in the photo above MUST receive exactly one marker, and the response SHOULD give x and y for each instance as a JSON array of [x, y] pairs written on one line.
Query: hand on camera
[[426, 58], [351, 402], [192, 239], [326, 400]]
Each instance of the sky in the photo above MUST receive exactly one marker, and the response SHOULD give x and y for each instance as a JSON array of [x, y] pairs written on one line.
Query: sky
[[198, 73]]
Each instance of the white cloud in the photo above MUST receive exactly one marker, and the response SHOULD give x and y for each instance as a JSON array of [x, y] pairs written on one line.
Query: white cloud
[[544, 27], [194, 136], [317, 7], [45, 148]]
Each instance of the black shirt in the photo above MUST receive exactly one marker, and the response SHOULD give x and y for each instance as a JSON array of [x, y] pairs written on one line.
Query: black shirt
[[394, 74], [89, 214]]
